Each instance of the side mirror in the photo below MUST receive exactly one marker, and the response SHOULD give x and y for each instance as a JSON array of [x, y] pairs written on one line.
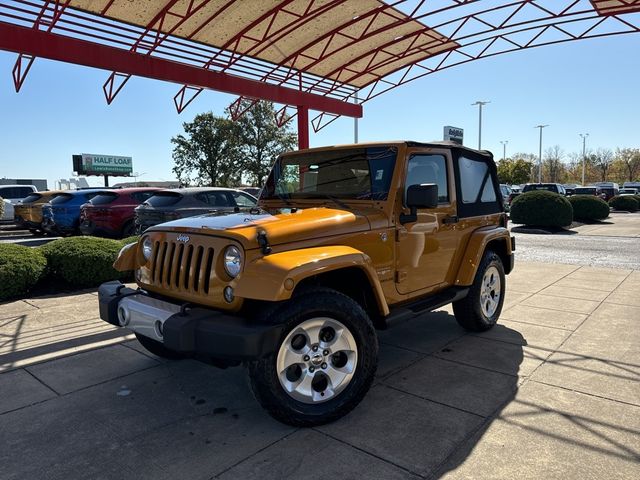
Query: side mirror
[[420, 196]]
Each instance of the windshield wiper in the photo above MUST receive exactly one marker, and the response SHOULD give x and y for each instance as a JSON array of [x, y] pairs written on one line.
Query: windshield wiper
[[335, 200]]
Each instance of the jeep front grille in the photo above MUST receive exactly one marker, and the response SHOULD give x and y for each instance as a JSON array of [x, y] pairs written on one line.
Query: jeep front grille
[[183, 267]]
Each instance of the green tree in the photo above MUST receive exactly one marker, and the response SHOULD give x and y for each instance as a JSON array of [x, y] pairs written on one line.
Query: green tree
[[261, 141], [208, 153], [515, 170]]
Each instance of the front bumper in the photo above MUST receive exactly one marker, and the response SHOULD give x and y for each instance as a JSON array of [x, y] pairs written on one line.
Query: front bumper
[[197, 331], [89, 227]]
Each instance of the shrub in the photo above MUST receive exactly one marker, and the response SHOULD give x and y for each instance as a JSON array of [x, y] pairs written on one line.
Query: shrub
[[541, 208], [589, 207], [20, 269], [627, 203], [83, 261], [128, 240]]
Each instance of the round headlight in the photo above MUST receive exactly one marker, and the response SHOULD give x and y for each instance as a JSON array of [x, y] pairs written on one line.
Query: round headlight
[[147, 248], [232, 261]]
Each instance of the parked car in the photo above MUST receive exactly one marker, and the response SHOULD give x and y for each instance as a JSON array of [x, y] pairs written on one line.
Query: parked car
[[11, 195], [506, 192], [253, 191], [28, 212], [62, 214], [628, 191], [609, 189], [631, 185], [111, 213], [570, 189], [168, 205], [551, 187], [590, 190]]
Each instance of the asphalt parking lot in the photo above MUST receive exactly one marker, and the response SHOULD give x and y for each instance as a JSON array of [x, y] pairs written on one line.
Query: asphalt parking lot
[[551, 392]]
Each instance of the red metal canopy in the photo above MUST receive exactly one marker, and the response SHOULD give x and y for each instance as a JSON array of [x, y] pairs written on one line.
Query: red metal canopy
[[324, 55]]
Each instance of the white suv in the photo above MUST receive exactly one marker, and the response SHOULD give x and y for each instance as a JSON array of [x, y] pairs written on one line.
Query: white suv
[[12, 194]]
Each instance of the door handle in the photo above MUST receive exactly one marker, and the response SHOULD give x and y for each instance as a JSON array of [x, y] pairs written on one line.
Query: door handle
[[450, 220]]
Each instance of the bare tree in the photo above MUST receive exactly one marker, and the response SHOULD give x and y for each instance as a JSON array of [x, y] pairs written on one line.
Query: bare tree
[[602, 160], [552, 164], [630, 157]]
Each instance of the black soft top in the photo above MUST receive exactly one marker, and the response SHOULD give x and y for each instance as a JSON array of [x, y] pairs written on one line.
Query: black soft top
[[452, 146]]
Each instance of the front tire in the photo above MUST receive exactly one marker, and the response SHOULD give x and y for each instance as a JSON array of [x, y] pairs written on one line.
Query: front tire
[[480, 309], [325, 360]]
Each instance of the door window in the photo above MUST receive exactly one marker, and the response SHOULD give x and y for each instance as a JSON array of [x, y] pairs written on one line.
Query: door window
[[243, 200], [428, 169], [214, 199]]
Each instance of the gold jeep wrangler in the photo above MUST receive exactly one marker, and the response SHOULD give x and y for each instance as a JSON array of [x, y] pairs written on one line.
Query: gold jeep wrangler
[[345, 240]]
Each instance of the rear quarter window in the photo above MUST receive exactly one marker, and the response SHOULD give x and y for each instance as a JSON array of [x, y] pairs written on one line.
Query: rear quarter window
[[478, 189]]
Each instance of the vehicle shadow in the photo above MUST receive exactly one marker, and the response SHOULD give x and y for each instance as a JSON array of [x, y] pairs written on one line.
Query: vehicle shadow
[[464, 379]]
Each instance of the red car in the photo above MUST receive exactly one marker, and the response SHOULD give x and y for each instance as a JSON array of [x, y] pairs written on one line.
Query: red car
[[111, 212]]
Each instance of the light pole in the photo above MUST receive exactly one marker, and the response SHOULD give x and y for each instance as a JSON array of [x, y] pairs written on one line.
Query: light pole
[[540, 153], [504, 148], [584, 152], [480, 105], [136, 176], [355, 121]]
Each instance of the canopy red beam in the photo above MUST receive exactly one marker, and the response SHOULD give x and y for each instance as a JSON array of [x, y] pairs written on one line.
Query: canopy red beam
[[72, 50]]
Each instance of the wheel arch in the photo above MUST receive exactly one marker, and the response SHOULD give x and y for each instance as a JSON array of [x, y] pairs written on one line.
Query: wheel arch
[[496, 239], [278, 276]]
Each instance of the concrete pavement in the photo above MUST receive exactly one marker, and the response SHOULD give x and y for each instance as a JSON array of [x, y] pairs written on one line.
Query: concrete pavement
[[551, 392]]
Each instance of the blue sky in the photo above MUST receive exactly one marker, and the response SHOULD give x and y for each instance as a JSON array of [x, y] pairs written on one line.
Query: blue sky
[[584, 86]]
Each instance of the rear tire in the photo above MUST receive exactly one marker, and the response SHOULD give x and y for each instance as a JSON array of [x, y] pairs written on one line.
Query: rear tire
[[129, 229], [157, 348], [325, 360], [480, 309]]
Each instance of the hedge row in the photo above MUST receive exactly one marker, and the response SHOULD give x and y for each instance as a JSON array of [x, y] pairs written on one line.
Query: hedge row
[[75, 261], [547, 209], [628, 203], [588, 207], [20, 269], [541, 208]]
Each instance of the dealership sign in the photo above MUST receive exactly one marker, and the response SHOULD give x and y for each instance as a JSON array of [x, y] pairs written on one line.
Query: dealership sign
[[91, 164], [453, 134]]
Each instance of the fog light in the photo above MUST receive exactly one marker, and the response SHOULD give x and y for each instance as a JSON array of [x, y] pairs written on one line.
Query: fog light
[[159, 328], [228, 294], [123, 316]]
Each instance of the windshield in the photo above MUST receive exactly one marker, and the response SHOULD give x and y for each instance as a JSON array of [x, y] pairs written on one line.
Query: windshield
[[550, 188], [585, 191], [355, 173]]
